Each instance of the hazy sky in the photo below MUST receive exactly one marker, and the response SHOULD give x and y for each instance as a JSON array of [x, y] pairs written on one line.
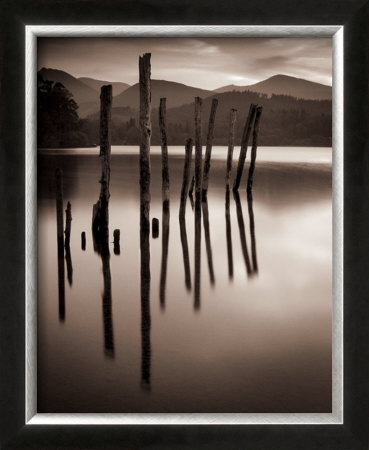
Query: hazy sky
[[207, 63]]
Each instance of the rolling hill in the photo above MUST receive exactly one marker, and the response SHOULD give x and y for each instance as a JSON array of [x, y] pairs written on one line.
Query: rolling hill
[[177, 94], [285, 85], [118, 87]]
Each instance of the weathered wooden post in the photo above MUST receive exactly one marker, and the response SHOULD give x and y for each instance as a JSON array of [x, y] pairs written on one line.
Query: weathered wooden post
[[60, 241], [209, 253], [145, 138], [107, 300], [155, 227], [241, 226], [116, 235], [198, 145], [244, 144], [83, 240], [145, 169], [164, 150], [229, 234], [186, 177], [68, 224], [232, 122], [209, 144], [190, 192], [259, 110], [100, 215]]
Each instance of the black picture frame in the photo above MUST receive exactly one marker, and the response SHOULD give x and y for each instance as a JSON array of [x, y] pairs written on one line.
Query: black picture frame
[[354, 15]]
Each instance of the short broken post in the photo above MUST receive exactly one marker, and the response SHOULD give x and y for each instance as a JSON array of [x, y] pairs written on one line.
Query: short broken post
[[186, 178], [232, 122], [209, 144], [116, 235], [244, 144], [198, 145], [164, 150], [255, 135], [155, 227], [83, 240]]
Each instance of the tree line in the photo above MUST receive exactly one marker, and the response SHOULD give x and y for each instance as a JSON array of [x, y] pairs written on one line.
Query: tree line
[[287, 121]]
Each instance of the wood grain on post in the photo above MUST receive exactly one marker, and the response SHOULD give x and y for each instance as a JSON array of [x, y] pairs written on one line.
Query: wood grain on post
[[255, 135], [186, 178], [232, 122], [209, 144], [244, 144], [145, 139], [198, 145], [105, 152], [68, 224], [164, 150]]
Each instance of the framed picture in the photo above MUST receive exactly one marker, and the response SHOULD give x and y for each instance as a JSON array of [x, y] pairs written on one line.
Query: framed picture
[[232, 316]]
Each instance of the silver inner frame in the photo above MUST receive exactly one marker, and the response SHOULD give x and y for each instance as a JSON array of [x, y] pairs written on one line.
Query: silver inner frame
[[31, 416]]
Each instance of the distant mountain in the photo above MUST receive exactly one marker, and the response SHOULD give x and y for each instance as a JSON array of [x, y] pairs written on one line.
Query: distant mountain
[[80, 91], [285, 85], [177, 94], [118, 87]]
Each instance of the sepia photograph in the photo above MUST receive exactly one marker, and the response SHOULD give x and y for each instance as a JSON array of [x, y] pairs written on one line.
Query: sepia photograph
[[184, 225]]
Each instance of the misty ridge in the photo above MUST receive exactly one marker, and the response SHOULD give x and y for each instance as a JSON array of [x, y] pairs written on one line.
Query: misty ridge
[[296, 112]]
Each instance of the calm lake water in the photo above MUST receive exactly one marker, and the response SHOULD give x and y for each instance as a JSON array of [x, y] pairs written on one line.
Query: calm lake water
[[249, 331]]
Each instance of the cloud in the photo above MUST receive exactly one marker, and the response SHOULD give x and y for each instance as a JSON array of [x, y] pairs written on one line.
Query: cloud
[[203, 62]]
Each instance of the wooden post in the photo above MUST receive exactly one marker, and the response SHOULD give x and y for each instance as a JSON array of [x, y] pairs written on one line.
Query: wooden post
[[244, 144], [186, 178], [209, 253], [164, 150], [259, 110], [100, 215], [83, 240], [198, 144], [229, 235], [209, 144], [232, 122], [68, 224], [116, 235], [190, 192], [145, 138], [155, 227]]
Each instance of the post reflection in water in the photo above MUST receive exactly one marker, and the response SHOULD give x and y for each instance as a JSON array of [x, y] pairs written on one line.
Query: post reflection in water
[[61, 282], [241, 226], [229, 234], [252, 233], [209, 253], [197, 275], [164, 254], [101, 246], [145, 307], [186, 257], [68, 260]]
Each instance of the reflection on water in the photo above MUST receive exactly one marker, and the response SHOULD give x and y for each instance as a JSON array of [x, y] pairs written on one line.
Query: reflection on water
[[229, 342]]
